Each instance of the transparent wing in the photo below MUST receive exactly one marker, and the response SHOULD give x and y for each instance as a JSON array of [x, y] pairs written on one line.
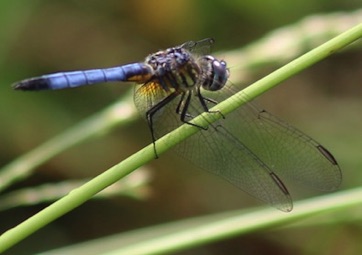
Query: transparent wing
[[202, 47], [218, 151], [148, 95], [250, 148], [286, 150]]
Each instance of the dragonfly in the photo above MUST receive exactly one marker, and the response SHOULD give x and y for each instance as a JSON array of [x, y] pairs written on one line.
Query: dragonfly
[[250, 148]]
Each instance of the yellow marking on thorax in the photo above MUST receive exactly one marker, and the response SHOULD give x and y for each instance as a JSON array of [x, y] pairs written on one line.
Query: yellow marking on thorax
[[154, 88], [140, 78]]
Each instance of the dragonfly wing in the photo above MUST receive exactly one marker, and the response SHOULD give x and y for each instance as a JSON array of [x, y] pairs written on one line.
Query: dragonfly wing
[[292, 153], [148, 95], [286, 150], [216, 151], [202, 47]]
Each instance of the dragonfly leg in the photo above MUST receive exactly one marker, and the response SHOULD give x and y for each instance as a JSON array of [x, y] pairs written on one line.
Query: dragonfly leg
[[151, 112], [182, 110], [203, 101]]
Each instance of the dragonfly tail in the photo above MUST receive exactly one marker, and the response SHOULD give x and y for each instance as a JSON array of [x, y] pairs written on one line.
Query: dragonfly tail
[[137, 72]]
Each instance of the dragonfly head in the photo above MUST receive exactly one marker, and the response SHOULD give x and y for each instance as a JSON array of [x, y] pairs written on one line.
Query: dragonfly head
[[214, 74]]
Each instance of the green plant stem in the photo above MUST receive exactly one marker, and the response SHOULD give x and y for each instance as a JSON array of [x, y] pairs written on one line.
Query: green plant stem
[[197, 231], [85, 192], [294, 67], [194, 232]]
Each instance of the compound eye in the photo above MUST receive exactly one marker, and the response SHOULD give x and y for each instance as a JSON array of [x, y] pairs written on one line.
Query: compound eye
[[220, 74]]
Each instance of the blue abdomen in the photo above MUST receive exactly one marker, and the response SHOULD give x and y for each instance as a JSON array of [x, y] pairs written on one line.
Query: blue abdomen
[[64, 80]]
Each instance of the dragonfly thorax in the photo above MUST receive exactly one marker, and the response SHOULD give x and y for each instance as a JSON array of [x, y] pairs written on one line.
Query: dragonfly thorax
[[175, 69]]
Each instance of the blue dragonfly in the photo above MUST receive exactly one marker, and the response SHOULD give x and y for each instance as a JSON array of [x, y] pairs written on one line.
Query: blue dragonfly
[[250, 148]]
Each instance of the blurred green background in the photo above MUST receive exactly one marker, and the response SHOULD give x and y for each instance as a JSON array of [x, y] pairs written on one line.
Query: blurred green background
[[40, 37]]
